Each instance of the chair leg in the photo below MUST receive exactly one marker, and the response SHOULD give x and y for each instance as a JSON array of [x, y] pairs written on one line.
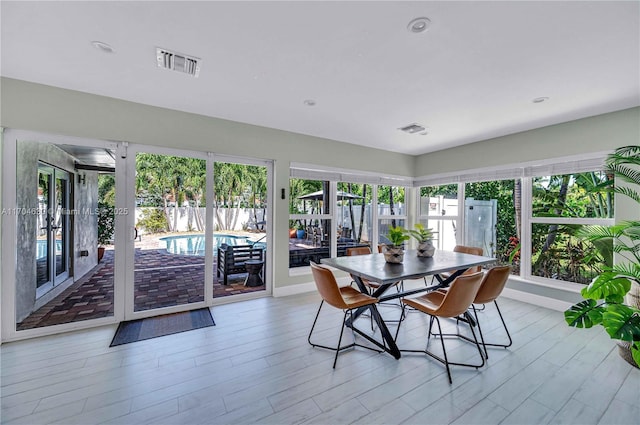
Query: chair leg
[[444, 350], [402, 315], [504, 325], [314, 324], [338, 348], [344, 320], [445, 360], [477, 345], [475, 313], [505, 329]]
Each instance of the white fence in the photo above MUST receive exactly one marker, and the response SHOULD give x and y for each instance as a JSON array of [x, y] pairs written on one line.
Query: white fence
[[191, 219]]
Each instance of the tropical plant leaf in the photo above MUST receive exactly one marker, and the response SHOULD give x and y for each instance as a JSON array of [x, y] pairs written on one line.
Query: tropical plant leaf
[[628, 270], [628, 192], [614, 299], [594, 233], [584, 314], [623, 152], [622, 322], [635, 353], [606, 285]]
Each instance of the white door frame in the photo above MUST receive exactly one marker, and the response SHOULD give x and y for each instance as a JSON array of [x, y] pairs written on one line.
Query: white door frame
[[9, 232], [125, 228], [124, 234]]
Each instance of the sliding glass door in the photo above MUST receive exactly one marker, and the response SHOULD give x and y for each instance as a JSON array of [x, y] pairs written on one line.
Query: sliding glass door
[[168, 219], [52, 231]]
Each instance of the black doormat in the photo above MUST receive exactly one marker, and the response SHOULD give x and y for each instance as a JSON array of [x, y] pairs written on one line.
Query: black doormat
[[167, 324]]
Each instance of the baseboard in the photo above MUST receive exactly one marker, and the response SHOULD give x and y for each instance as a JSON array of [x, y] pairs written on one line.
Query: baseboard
[[550, 303], [546, 302]]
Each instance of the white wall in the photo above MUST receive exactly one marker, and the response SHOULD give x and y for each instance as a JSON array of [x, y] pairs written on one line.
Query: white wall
[[36, 107], [602, 133], [595, 134]]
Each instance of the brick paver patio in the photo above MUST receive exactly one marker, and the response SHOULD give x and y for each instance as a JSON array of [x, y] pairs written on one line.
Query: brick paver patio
[[161, 279]]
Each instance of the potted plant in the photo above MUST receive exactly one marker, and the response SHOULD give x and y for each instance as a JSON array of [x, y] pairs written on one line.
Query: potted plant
[[106, 223], [424, 237], [300, 231], [612, 299], [394, 252]]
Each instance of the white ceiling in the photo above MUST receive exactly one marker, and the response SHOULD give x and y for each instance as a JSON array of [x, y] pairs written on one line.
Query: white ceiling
[[470, 77]]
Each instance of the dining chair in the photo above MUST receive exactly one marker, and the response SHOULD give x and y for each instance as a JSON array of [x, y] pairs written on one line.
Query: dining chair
[[365, 250], [465, 250], [344, 298], [373, 286], [492, 285], [450, 304]]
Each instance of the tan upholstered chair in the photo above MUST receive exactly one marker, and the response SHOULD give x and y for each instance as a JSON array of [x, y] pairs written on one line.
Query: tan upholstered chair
[[372, 286], [365, 250], [452, 303], [492, 285], [343, 298], [469, 250], [465, 250]]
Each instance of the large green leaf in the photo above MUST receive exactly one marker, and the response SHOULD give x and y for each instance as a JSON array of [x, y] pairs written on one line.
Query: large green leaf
[[622, 322], [635, 353], [585, 314], [605, 285]]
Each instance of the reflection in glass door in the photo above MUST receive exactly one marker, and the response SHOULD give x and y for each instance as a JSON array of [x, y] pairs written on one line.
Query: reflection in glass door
[[52, 231]]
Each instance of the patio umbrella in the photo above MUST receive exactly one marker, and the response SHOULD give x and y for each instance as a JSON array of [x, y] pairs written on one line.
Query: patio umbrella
[[319, 195]]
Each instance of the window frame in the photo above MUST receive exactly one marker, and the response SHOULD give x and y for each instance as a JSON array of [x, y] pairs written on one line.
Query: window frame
[[525, 172]]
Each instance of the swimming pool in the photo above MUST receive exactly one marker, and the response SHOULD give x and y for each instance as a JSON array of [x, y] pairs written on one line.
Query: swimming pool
[[194, 244]]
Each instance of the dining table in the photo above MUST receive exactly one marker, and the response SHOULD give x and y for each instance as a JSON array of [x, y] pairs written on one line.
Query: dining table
[[445, 266]]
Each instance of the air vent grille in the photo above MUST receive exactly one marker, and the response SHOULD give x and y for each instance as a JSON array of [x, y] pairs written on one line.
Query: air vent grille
[[174, 61], [414, 128]]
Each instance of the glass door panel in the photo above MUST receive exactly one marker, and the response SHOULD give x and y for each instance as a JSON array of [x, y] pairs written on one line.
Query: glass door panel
[[60, 228], [240, 223], [59, 278], [43, 241], [170, 217]]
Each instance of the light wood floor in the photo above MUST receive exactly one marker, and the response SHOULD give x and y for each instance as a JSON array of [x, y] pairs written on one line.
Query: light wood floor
[[255, 367]]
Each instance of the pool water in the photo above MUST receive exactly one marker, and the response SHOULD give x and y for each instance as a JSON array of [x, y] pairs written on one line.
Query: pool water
[[194, 244]]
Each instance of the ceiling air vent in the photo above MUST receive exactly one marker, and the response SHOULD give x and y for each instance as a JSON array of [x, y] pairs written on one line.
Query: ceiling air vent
[[178, 62], [414, 128]]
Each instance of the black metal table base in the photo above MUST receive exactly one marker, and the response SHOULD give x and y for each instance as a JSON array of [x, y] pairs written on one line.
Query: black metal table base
[[388, 342]]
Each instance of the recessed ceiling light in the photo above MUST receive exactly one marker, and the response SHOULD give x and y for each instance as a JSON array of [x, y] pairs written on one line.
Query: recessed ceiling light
[[540, 99], [419, 25], [310, 102], [103, 47]]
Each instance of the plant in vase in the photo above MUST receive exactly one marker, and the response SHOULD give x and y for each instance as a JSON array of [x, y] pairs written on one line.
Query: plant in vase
[[300, 231], [394, 252], [106, 227], [604, 299], [424, 236]]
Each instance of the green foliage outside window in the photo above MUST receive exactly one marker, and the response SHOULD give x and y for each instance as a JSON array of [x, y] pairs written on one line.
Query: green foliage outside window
[[507, 236]]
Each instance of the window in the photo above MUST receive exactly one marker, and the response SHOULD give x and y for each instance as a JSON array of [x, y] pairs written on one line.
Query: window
[[504, 198], [354, 213], [392, 210], [560, 206], [310, 221], [539, 211], [438, 210]]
